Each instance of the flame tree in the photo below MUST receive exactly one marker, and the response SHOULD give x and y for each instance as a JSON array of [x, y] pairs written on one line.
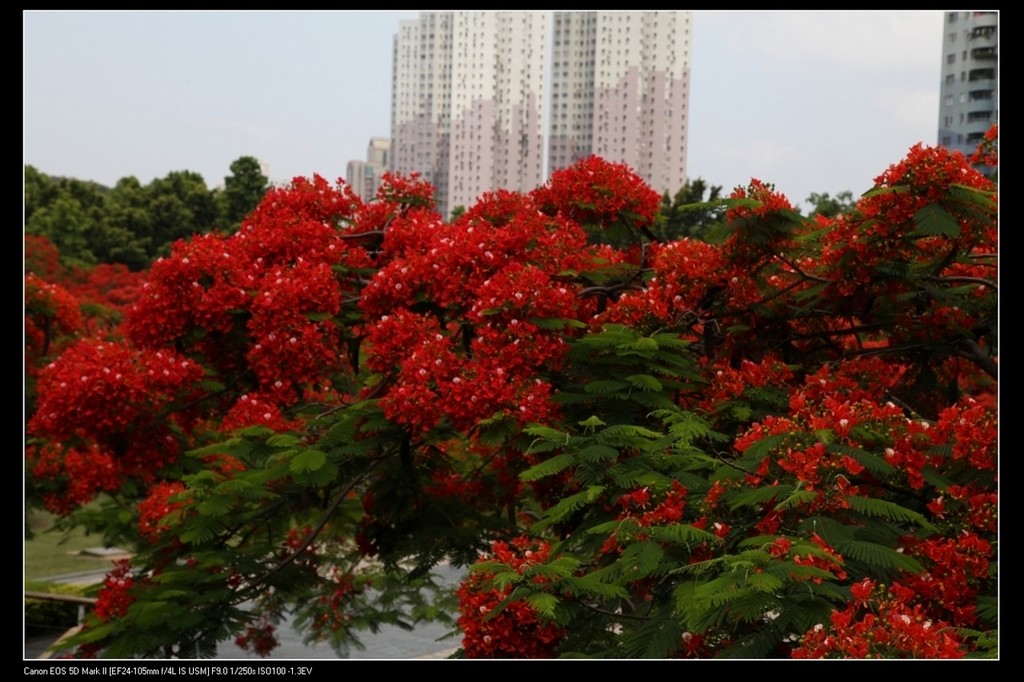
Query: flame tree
[[777, 442]]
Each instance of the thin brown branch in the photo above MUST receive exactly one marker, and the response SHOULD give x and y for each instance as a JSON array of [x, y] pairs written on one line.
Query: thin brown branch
[[970, 350], [967, 280], [317, 530], [360, 235], [813, 278]]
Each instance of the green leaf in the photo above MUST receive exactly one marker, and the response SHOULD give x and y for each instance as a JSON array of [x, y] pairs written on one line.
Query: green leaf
[[890, 510], [593, 454], [198, 535], [546, 432], [972, 196], [592, 422], [639, 560], [307, 460], [933, 219], [720, 591], [683, 534], [605, 386], [644, 343], [503, 579], [318, 478], [343, 431], [543, 603], [899, 189], [548, 467], [561, 567], [590, 584], [755, 496], [796, 499], [227, 447], [764, 446], [878, 555], [764, 582], [283, 440], [871, 462], [568, 505], [645, 382]]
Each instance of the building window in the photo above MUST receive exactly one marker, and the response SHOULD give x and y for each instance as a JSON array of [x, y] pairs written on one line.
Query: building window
[[950, 58], [948, 100], [950, 79]]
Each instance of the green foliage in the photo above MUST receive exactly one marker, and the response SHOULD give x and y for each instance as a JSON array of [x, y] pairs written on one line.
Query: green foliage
[[828, 206], [689, 213], [242, 193], [133, 223]]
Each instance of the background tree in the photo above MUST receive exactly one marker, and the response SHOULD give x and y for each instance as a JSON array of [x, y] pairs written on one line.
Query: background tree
[[40, 191], [825, 205], [243, 191], [69, 226], [179, 205], [689, 213], [456, 213]]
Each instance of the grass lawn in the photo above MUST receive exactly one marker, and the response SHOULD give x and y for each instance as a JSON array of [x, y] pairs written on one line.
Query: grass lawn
[[51, 552]]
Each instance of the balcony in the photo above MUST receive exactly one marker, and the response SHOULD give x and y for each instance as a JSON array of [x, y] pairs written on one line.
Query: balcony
[[975, 75], [984, 53]]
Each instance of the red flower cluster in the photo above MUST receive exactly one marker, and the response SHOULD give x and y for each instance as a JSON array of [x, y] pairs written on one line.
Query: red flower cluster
[[78, 473], [97, 390], [256, 409], [259, 637], [769, 200], [52, 316], [635, 507], [115, 596], [956, 569], [684, 272], [988, 151], [157, 506], [880, 623], [516, 631], [42, 258], [494, 279], [332, 606], [598, 194]]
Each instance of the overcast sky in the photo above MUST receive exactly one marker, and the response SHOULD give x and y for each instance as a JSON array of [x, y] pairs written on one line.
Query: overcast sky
[[810, 101]]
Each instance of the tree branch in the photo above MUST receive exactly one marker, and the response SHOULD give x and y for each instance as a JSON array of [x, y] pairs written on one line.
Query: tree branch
[[970, 280], [316, 531], [973, 352]]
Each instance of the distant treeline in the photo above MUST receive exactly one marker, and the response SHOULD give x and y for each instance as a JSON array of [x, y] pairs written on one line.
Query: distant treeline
[[132, 223]]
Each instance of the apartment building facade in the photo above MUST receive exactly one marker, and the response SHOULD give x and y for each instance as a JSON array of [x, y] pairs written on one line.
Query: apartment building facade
[[364, 176], [620, 85], [468, 102], [969, 92]]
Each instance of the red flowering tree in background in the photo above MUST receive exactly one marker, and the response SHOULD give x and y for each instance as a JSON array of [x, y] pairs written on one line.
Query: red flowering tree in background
[[779, 442]]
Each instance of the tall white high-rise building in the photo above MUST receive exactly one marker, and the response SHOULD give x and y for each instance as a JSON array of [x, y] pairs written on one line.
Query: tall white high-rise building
[[969, 92], [468, 102], [420, 98], [620, 88]]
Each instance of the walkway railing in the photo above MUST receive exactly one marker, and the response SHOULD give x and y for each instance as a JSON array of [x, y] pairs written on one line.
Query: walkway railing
[[83, 604]]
